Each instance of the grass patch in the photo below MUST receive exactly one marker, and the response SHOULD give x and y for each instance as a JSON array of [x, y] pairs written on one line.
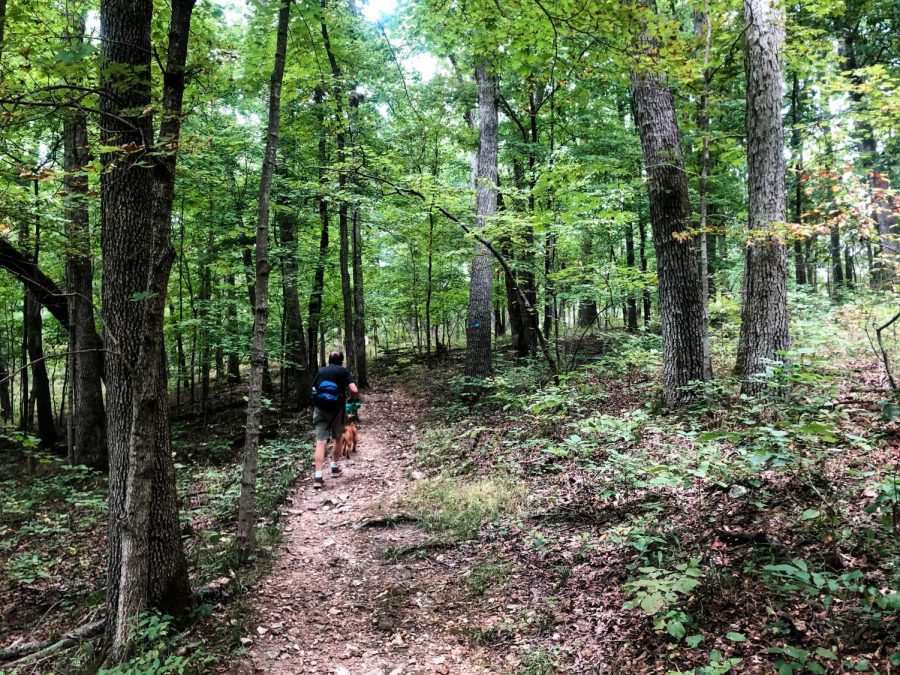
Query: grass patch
[[486, 575], [459, 508], [537, 662]]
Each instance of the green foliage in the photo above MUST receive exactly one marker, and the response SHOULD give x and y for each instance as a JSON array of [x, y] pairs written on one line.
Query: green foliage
[[654, 590], [459, 508], [160, 650], [487, 575]]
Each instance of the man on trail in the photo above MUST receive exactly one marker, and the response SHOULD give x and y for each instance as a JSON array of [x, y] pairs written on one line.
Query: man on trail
[[329, 395]]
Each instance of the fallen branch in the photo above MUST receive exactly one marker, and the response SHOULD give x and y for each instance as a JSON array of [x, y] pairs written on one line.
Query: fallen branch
[[391, 520], [29, 651], [884, 355]]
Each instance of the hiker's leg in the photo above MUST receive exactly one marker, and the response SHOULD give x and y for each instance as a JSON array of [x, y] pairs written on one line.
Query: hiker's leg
[[320, 455], [337, 431], [322, 429]]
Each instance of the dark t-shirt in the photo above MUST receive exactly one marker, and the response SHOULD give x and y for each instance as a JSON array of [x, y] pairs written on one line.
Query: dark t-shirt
[[337, 374]]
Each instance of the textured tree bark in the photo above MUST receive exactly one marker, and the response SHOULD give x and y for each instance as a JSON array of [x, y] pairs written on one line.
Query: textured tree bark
[[146, 560], [764, 315], [680, 289], [246, 526], [294, 337], [88, 413], [478, 318], [42, 287]]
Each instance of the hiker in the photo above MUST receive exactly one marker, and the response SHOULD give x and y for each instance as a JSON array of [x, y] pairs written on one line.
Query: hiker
[[329, 396]]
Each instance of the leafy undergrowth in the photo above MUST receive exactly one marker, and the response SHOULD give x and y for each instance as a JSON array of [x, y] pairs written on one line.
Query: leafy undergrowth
[[53, 542], [740, 534]]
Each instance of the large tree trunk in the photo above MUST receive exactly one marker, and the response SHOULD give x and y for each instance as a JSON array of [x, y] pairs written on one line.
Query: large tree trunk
[[680, 288], [478, 318], [764, 314], [146, 560], [88, 413], [247, 505]]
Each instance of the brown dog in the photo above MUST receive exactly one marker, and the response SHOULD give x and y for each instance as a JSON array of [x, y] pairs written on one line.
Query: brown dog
[[349, 438]]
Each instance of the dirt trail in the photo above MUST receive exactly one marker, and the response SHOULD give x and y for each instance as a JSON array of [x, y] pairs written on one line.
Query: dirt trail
[[332, 603]]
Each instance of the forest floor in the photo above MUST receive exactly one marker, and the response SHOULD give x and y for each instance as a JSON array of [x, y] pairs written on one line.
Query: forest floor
[[513, 525], [534, 528], [333, 602]]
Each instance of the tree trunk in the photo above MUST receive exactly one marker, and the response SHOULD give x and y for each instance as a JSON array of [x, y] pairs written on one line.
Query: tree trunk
[[205, 321], [517, 320], [631, 313], [680, 288], [764, 314], [247, 505], [40, 395], [703, 26], [343, 227], [359, 305], [315, 297], [797, 156], [429, 279], [40, 382], [837, 265], [87, 411], [6, 409], [549, 290], [645, 294], [295, 350], [146, 559], [478, 318], [233, 367], [849, 269]]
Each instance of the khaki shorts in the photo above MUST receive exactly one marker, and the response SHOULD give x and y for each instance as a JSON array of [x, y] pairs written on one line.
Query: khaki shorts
[[329, 424]]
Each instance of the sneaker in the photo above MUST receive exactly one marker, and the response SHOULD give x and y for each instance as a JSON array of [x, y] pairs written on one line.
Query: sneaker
[[336, 471], [318, 483]]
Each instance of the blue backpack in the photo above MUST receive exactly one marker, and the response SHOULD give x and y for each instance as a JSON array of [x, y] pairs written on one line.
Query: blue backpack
[[325, 395]]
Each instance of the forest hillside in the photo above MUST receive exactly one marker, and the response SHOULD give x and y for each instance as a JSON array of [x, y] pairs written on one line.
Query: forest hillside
[[373, 337]]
